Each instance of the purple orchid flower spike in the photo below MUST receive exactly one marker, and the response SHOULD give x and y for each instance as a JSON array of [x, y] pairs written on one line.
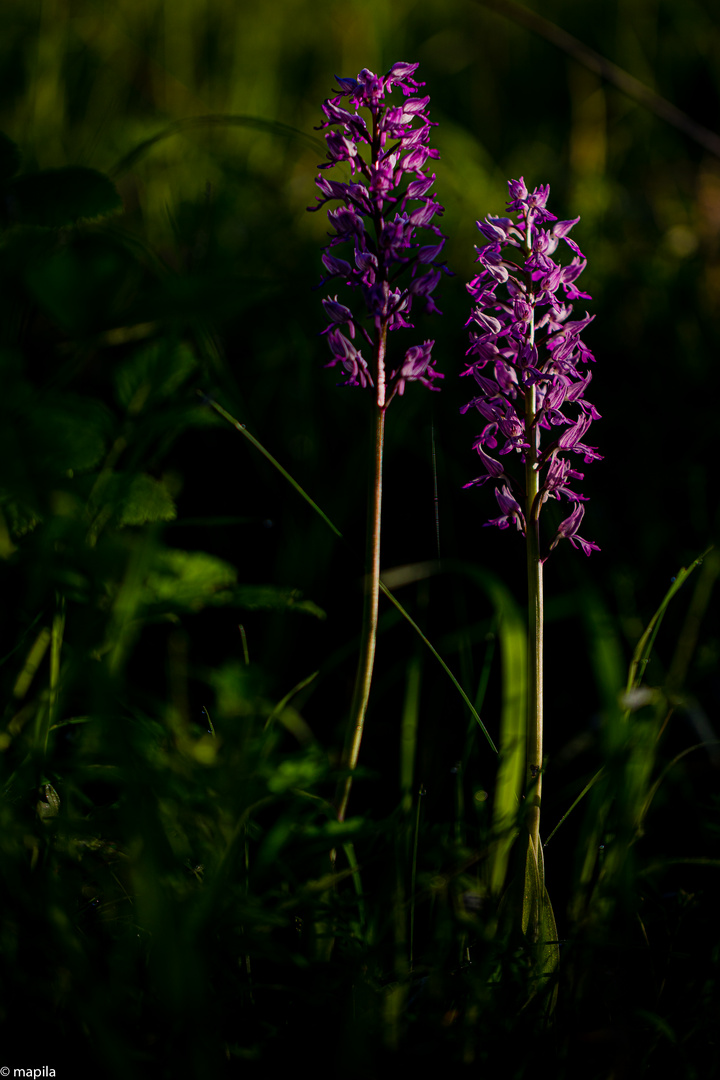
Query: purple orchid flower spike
[[383, 208], [529, 362], [385, 246]]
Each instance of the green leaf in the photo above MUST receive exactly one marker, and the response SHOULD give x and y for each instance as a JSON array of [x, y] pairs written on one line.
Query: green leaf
[[337, 830], [187, 580], [55, 198], [191, 580], [153, 372], [607, 661], [531, 908], [20, 519], [9, 157], [53, 434], [270, 598], [298, 772], [44, 441], [146, 500], [645, 644], [549, 957], [74, 430], [539, 928]]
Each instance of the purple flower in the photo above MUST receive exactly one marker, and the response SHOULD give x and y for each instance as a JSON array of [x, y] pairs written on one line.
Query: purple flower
[[528, 360], [569, 528], [383, 207], [511, 512]]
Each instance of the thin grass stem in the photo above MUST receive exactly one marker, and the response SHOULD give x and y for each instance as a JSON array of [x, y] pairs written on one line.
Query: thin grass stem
[[646, 642], [580, 797]]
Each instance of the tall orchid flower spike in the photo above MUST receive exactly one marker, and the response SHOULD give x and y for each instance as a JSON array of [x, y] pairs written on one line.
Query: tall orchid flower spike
[[383, 208], [377, 254], [528, 360], [530, 366]]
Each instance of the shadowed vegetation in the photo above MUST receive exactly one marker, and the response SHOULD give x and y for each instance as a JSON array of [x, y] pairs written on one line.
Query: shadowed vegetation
[[182, 523]]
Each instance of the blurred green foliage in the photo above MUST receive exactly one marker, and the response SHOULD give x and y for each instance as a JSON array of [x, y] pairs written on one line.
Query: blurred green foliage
[[176, 911]]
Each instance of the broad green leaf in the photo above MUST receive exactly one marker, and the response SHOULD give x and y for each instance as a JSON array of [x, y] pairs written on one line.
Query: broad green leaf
[[144, 501], [47, 436], [298, 772], [44, 441], [55, 198], [187, 580]]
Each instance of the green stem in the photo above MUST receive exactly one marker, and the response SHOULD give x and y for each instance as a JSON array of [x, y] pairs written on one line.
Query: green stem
[[534, 738], [534, 731], [368, 637]]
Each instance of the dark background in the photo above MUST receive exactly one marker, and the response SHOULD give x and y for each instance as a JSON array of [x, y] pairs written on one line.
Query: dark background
[[225, 257]]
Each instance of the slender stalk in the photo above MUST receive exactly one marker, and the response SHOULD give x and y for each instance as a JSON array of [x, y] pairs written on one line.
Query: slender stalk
[[534, 730], [534, 743], [368, 637]]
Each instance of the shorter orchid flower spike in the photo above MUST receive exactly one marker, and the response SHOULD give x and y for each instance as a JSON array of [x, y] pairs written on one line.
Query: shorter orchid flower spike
[[529, 361]]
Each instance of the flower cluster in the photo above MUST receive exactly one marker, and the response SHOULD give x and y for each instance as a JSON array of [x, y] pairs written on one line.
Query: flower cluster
[[528, 360], [381, 208]]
